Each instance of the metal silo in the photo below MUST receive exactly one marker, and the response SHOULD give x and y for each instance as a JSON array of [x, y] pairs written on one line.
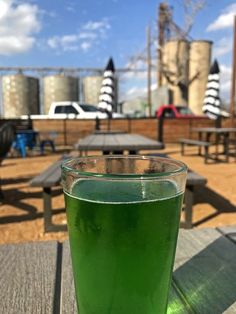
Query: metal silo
[[59, 88], [175, 69], [199, 65], [91, 89], [20, 95]]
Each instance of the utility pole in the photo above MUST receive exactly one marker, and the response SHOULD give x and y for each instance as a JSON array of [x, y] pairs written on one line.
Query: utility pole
[[232, 100], [149, 78], [163, 17]]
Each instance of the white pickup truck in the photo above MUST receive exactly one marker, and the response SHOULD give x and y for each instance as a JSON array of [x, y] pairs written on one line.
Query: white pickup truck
[[73, 110]]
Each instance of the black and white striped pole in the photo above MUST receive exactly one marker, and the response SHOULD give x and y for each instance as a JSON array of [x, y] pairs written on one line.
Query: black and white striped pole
[[212, 103], [107, 92]]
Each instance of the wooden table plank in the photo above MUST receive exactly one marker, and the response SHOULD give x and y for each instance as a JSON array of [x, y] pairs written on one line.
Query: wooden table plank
[[97, 141], [229, 232], [28, 278], [84, 142], [46, 175], [110, 142], [205, 271], [204, 280], [116, 142], [68, 301]]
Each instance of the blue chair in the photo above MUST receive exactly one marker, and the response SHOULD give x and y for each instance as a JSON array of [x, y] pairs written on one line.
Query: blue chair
[[23, 140], [20, 144]]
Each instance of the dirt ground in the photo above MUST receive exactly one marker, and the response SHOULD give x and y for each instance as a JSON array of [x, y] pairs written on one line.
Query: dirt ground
[[21, 211]]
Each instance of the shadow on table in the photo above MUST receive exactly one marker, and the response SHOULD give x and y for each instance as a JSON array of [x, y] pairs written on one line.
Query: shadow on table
[[207, 281], [217, 201]]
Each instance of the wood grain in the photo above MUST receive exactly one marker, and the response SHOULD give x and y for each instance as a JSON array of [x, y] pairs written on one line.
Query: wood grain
[[205, 271], [113, 142], [27, 278], [229, 232], [68, 301]]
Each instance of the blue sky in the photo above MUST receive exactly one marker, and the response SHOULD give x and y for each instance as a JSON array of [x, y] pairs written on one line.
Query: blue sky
[[80, 33]]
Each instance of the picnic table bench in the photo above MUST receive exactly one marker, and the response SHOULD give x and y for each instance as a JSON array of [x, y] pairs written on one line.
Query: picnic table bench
[[46, 180], [217, 136], [199, 144], [37, 277], [51, 177]]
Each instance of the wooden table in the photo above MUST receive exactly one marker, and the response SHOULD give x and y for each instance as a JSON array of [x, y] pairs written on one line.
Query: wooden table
[[206, 134], [117, 143], [37, 278], [109, 132], [51, 177]]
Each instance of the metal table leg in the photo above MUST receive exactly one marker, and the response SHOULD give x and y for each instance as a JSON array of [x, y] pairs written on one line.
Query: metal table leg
[[189, 200], [47, 212]]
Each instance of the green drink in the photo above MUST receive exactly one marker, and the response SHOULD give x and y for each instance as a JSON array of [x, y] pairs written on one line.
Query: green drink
[[123, 234]]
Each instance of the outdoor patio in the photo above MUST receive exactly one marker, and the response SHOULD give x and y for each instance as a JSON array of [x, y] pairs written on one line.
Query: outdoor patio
[[21, 213]]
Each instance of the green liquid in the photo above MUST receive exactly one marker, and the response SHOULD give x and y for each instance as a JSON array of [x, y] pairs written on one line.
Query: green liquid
[[122, 248]]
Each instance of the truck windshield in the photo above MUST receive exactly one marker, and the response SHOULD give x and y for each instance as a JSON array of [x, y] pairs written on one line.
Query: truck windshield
[[89, 108], [66, 109]]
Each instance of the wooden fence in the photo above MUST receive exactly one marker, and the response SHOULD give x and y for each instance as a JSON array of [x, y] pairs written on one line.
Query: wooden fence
[[70, 131]]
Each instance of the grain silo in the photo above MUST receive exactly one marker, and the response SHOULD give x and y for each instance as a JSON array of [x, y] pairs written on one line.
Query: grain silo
[[175, 69], [59, 88], [91, 89], [199, 65], [20, 95]]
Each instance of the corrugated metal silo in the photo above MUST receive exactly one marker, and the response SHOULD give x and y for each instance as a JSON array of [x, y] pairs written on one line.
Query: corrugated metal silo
[[59, 88], [199, 65], [20, 95], [91, 89], [175, 65]]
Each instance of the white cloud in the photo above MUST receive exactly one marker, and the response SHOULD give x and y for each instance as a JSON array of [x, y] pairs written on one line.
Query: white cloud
[[137, 92], [65, 43], [224, 20], [85, 46], [71, 42], [141, 67], [13, 45], [70, 8], [89, 34], [18, 24], [223, 46], [97, 25]]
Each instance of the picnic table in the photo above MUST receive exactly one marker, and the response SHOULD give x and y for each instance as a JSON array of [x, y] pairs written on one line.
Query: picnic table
[[37, 277], [220, 135], [51, 177], [117, 143]]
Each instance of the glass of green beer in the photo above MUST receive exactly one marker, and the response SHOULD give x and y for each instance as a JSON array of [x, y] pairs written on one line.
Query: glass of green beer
[[123, 217]]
